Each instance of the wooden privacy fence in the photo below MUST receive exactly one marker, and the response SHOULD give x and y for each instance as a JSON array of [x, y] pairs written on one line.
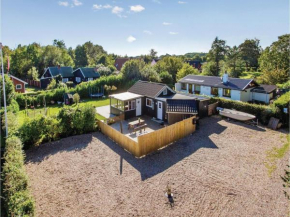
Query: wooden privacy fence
[[33, 83], [152, 141], [124, 141]]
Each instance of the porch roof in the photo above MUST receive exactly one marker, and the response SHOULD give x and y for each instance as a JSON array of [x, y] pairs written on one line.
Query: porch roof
[[125, 96]]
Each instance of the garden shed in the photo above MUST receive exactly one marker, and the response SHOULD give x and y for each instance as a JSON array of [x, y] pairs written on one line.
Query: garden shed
[[68, 98]]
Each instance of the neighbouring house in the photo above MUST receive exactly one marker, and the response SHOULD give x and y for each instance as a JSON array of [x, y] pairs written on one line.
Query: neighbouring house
[[156, 100], [19, 85], [119, 62], [85, 74], [246, 90], [154, 62], [65, 73], [194, 64]]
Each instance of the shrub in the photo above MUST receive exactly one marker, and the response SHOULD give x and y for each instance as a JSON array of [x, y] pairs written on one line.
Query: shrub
[[76, 98], [18, 200], [38, 130], [11, 122], [13, 107], [282, 101]]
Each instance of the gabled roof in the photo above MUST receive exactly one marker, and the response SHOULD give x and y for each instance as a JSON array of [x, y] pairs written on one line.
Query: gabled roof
[[263, 88], [214, 81], [119, 62], [89, 72], [145, 88], [18, 79], [64, 71]]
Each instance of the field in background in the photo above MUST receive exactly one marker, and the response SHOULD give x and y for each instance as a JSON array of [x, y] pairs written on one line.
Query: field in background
[[250, 75]]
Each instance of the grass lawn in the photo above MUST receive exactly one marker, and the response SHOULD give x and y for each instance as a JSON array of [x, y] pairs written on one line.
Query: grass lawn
[[54, 109], [249, 75]]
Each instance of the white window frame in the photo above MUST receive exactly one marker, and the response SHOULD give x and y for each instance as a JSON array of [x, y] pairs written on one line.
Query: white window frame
[[131, 105], [90, 79], [78, 79], [147, 99], [17, 86], [64, 80], [165, 91]]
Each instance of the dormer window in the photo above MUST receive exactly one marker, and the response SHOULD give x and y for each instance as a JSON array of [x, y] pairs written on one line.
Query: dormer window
[[165, 91]]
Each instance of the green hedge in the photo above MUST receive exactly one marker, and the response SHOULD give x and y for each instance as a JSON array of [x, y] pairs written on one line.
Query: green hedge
[[69, 122], [262, 112], [82, 89], [282, 101], [17, 198]]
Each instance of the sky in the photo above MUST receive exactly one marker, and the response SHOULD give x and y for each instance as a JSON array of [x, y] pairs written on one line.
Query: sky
[[133, 27]]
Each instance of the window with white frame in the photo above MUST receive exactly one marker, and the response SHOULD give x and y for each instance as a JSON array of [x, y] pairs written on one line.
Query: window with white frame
[[149, 102], [130, 105], [165, 91], [64, 80], [183, 86], [18, 86], [90, 79], [78, 79]]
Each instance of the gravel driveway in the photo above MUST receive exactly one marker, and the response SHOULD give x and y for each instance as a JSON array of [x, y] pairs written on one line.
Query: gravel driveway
[[218, 171]]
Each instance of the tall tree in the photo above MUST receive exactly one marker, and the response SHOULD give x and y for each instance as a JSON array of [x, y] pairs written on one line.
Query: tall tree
[[59, 44], [186, 70], [250, 51], [274, 61], [153, 54], [234, 62], [217, 53], [169, 64], [131, 70]]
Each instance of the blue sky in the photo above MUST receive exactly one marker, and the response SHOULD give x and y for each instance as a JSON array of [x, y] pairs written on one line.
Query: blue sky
[[134, 26]]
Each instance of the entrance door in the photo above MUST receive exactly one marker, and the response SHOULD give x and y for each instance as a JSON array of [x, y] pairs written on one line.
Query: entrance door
[[159, 110], [190, 88], [138, 107]]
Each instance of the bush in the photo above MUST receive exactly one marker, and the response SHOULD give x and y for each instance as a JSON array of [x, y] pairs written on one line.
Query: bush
[[76, 121], [18, 200], [13, 107], [38, 130], [76, 98], [282, 101], [262, 112]]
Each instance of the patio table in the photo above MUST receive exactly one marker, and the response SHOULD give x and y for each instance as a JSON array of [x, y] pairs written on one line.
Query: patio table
[[133, 124]]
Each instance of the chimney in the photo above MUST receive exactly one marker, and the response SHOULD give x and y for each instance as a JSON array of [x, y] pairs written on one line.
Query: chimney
[[225, 78], [58, 66]]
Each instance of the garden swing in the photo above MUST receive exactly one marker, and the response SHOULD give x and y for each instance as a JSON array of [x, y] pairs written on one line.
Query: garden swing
[[98, 94]]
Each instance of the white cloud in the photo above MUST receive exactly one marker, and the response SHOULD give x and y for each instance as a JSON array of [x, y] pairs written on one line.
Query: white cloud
[[173, 33], [77, 3], [181, 2], [166, 24], [130, 39], [107, 6], [137, 8], [97, 7], [100, 7], [147, 32], [63, 3], [117, 10]]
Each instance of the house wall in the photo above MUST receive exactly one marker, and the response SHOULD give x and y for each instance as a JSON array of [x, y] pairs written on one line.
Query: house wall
[[178, 86], [78, 73], [153, 111], [246, 95], [205, 90], [235, 95], [47, 74], [15, 82], [263, 97], [45, 82]]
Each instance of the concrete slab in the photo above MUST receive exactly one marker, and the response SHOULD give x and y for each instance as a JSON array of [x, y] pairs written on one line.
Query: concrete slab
[[104, 111]]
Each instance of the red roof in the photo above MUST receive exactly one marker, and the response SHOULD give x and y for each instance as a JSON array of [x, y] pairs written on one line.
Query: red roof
[[119, 62]]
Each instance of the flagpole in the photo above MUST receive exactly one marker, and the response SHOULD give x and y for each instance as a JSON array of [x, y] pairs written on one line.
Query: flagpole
[[4, 94]]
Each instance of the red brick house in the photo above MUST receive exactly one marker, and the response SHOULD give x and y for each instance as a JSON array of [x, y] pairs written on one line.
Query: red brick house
[[19, 85]]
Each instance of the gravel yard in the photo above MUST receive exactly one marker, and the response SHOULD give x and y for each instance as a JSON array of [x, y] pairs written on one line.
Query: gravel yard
[[220, 170]]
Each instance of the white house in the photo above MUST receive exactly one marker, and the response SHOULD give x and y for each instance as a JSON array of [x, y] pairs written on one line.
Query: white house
[[246, 90]]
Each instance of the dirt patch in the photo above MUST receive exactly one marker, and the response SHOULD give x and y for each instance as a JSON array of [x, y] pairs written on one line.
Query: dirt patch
[[218, 171]]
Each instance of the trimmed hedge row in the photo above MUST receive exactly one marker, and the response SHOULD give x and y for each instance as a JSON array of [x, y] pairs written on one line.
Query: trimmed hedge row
[[18, 199], [82, 89], [282, 101], [69, 122], [262, 112]]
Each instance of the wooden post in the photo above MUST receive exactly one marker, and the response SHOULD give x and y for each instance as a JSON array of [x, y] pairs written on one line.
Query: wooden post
[[121, 127]]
